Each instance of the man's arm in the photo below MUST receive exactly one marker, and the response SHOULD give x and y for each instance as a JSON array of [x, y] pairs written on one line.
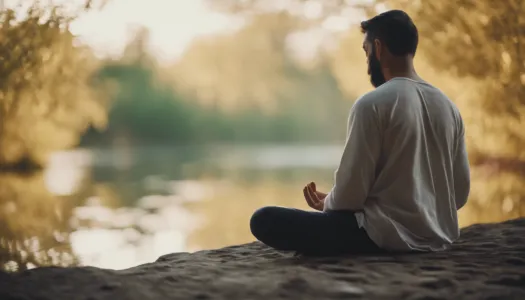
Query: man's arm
[[461, 172], [356, 172]]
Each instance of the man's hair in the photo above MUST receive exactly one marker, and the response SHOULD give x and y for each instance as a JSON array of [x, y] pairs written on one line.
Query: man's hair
[[395, 29]]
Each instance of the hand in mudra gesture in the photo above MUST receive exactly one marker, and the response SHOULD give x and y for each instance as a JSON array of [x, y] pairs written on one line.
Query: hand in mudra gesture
[[314, 198]]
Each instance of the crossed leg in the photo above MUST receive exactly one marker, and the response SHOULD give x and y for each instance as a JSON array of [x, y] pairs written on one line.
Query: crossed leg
[[311, 233]]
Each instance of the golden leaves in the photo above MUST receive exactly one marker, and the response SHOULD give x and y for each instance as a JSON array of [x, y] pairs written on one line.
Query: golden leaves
[[44, 84]]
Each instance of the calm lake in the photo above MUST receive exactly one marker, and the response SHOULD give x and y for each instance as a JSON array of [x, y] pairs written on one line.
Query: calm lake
[[128, 206]]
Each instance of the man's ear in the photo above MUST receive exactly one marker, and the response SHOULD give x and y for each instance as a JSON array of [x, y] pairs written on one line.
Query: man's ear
[[377, 49]]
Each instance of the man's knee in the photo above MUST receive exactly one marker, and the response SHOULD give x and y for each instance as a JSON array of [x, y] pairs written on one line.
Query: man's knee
[[261, 222]]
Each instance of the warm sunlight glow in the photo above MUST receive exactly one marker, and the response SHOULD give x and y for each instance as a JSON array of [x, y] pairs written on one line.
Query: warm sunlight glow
[[172, 24]]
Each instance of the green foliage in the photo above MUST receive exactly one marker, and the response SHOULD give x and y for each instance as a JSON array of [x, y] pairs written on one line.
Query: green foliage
[[148, 112], [244, 87]]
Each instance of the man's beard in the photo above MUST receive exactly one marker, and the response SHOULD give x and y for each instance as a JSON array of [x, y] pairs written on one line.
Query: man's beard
[[376, 74]]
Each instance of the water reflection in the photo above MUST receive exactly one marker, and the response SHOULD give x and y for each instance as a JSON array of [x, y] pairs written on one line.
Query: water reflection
[[123, 237], [226, 215], [34, 224], [116, 208]]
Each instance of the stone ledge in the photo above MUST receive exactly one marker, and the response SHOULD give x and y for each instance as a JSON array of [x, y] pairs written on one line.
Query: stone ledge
[[488, 262]]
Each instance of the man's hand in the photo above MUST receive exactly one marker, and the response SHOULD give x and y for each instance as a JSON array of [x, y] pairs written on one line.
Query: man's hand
[[314, 198]]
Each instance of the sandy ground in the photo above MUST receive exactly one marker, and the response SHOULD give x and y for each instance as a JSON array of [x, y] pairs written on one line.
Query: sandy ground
[[487, 263]]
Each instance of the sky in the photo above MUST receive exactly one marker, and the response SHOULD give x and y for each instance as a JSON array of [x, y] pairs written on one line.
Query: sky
[[173, 24]]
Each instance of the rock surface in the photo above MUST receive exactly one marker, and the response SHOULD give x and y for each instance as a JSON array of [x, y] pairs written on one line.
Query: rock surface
[[488, 262]]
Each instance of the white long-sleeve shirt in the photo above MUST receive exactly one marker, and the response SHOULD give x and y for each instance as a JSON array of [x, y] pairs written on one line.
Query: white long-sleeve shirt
[[404, 168]]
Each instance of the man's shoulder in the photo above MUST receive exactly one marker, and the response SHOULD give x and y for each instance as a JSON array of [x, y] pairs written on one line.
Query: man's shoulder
[[379, 95], [365, 101], [367, 104], [386, 91]]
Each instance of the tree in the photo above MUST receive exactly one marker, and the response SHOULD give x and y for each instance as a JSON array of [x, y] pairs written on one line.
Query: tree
[[144, 109], [253, 76], [46, 101], [46, 98], [251, 67]]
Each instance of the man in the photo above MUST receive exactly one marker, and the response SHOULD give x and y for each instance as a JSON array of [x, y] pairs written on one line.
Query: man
[[404, 171]]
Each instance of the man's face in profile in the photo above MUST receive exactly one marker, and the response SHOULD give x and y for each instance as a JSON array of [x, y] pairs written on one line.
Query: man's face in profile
[[374, 66]]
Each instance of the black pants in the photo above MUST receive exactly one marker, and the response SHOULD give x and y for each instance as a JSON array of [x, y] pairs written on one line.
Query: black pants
[[311, 233]]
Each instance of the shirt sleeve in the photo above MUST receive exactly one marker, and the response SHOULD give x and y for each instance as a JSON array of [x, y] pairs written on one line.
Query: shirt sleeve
[[461, 171], [357, 169]]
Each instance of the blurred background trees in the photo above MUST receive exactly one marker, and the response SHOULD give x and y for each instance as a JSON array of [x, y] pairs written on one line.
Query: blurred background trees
[[46, 101], [286, 75], [267, 95]]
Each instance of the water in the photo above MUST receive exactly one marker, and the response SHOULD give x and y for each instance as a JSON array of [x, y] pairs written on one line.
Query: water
[[116, 208]]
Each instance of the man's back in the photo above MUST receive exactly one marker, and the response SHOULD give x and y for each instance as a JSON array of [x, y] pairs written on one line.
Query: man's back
[[422, 171]]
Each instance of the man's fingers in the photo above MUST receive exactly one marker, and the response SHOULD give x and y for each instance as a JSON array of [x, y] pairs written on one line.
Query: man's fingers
[[319, 201], [312, 186], [307, 197], [320, 195], [310, 197], [313, 196]]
